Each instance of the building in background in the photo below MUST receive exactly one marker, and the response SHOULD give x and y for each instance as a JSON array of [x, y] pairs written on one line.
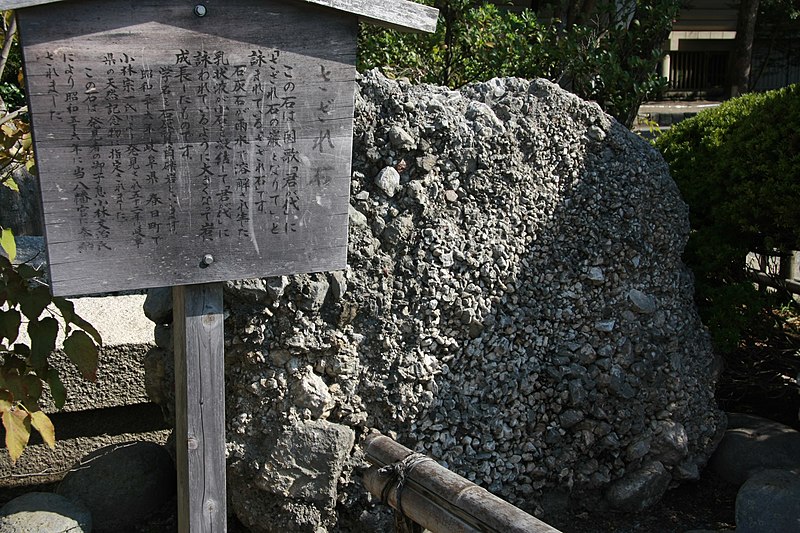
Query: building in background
[[703, 37], [697, 62]]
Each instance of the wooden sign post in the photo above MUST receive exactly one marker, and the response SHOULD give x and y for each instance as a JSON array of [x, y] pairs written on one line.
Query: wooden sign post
[[185, 143]]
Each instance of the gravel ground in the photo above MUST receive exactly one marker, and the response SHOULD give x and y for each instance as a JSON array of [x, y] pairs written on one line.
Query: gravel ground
[[706, 504]]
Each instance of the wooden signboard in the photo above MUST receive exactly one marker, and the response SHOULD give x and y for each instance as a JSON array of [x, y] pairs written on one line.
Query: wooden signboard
[[187, 143], [175, 148]]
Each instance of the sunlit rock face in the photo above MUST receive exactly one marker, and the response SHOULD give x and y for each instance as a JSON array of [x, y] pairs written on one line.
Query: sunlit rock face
[[515, 306]]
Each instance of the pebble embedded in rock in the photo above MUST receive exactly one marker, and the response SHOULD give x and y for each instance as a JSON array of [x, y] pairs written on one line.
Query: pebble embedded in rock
[[642, 302], [388, 181], [401, 139], [311, 392]]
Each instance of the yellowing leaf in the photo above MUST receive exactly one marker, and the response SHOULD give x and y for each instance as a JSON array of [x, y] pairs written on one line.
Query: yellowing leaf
[[9, 128], [45, 427], [5, 402], [18, 431], [8, 243], [83, 352], [11, 184]]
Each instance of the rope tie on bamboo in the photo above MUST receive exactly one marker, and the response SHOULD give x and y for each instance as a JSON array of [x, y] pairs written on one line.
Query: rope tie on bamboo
[[398, 472]]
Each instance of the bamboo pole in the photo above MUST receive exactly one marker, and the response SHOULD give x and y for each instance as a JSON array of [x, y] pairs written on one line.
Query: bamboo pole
[[438, 499]]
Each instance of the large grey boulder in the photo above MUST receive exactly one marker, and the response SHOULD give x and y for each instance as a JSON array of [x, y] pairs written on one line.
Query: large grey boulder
[[752, 444], [517, 308], [769, 501], [44, 512], [122, 485], [300, 471]]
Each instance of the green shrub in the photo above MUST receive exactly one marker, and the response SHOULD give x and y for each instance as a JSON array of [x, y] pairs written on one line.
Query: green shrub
[[606, 54], [738, 166]]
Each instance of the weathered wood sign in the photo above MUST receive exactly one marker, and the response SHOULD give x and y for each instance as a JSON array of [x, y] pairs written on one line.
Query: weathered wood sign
[[184, 143], [187, 143]]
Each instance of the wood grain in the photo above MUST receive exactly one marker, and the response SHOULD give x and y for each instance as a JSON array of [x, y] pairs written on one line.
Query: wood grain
[[200, 407], [398, 14], [162, 137]]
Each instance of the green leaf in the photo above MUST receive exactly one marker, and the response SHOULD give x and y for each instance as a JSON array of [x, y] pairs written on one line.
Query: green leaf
[[18, 431], [45, 427], [43, 341], [57, 389], [65, 307], [10, 321], [83, 352], [8, 243], [13, 382], [13, 363], [32, 391], [22, 349], [28, 272], [88, 328], [33, 302]]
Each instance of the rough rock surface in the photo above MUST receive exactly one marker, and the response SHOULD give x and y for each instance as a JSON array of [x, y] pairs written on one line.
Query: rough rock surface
[[639, 489], [752, 444], [769, 501], [122, 485], [22, 211], [44, 512], [515, 307]]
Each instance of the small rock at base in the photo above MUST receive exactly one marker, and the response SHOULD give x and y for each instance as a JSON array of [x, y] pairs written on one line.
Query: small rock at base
[[158, 305], [752, 444], [122, 485], [639, 489], [44, 512], [769, 501]]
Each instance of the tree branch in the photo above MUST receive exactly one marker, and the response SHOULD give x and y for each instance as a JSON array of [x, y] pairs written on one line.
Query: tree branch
[[9, 39], [11, 116]]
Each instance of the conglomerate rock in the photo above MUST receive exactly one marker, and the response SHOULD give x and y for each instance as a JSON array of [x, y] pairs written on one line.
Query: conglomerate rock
[[515, 306]]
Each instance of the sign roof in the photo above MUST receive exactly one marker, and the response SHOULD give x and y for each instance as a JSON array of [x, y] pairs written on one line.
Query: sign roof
[[398, 14]]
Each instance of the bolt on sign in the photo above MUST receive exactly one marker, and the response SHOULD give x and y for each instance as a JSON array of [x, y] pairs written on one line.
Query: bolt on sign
[[183, 142]]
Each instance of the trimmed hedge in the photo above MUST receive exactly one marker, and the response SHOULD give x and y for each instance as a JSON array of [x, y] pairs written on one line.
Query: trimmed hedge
[[738, 168]]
